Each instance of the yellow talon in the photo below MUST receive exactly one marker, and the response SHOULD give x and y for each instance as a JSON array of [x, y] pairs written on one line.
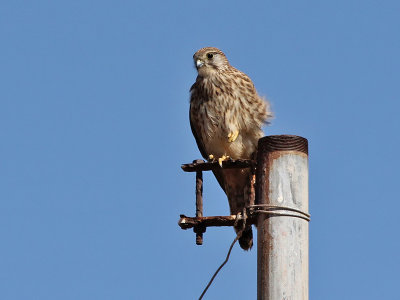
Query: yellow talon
[[211, 157], [232, 136], [221, 159]]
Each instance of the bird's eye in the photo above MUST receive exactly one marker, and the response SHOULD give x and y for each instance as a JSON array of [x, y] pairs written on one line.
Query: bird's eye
[[210, 55]]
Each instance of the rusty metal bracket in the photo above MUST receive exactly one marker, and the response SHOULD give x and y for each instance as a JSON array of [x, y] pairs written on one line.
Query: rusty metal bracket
[[201, 165], [200, 223]]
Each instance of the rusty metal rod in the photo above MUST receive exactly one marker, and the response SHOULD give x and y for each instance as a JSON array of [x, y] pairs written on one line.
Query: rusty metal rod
[[199, 229], [214, 221], [209, 166]]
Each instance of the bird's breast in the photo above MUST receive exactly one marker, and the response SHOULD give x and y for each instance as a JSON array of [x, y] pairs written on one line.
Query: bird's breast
[[216, 116]]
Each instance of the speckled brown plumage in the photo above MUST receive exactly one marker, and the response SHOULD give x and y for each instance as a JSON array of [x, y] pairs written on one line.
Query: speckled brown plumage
[[226, 117]]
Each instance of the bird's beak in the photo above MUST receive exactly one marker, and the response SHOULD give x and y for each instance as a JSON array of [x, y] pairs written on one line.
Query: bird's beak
[[199, 63]]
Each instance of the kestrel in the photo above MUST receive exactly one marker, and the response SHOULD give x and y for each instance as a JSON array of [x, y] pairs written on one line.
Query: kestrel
[[226, 117]]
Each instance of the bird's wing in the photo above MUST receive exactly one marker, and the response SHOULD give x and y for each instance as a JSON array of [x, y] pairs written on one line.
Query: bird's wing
[[220, 178], [199, 142], [217, 173]]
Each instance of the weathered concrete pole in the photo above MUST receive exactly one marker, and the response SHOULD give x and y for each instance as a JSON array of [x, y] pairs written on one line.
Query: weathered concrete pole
[[282, 198]]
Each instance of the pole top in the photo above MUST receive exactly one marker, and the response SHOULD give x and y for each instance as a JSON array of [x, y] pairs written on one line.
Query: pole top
[[283, 142]]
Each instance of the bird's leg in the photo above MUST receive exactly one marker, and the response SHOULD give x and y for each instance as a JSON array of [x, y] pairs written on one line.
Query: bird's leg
[[232, 136], [223, 158]]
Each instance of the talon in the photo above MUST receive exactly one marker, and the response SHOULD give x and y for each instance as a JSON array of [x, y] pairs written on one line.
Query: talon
[[221, 159], [232, 136], [211, 157]]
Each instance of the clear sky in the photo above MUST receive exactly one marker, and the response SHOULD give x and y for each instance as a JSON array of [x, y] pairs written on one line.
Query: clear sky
[[94, 99]]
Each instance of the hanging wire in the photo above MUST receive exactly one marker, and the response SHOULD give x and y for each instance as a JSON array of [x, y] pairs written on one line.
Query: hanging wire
[[270, 210], [238, 235]]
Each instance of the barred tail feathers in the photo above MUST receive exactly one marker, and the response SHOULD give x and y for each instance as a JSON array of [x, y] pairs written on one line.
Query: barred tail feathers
[[237, 186]]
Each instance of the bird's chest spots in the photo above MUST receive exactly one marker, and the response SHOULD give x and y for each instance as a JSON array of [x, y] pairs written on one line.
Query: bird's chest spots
[[213, 116], [214, 131]]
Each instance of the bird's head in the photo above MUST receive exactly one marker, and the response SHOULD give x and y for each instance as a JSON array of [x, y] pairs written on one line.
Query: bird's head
[[209, 60]]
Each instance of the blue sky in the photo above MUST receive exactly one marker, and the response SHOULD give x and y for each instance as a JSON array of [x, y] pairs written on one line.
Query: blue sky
[[94, 126]]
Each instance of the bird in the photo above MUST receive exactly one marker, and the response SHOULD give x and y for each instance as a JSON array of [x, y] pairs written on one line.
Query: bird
[[226, 118]]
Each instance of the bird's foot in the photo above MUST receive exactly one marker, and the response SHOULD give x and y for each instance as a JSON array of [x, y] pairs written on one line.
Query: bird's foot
[[232, 136], [212, 158], [223, 158]]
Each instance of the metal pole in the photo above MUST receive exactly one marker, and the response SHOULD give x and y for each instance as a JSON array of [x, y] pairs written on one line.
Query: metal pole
[[282, 194]]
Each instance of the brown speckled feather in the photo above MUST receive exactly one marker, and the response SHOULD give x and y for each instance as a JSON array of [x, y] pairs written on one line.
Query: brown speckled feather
[[226, 116], [218, 175]]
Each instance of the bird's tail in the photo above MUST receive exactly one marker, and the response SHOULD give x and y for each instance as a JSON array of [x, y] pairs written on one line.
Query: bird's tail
[[246, 240], [237, 185]]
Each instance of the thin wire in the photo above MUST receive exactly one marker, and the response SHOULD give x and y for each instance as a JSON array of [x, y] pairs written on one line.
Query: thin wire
[[254, 209], [278, 214], [270, 210], [239, 234]]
